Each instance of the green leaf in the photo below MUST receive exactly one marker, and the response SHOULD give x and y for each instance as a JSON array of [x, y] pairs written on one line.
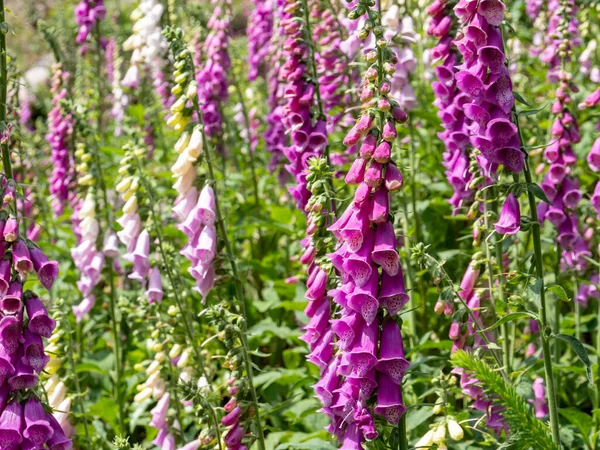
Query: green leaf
[[90, 367], [531, 112], [538, 192], [580, 350], [511, 317], [581, 420], [520, 99], [559, 291]]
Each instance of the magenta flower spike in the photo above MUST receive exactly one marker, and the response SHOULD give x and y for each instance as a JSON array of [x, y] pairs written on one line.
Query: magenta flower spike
[[510, 217], [37, 427], [391, 353], [11, 425], [389, 399]]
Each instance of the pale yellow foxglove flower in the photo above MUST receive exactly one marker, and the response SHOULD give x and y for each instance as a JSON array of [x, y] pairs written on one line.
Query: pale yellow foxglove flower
[[455, 430], [426, 441]]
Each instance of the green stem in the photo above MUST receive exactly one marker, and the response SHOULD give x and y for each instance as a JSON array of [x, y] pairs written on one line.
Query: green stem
[[507, 343], [3, 89], [76, 378], [577, 310]]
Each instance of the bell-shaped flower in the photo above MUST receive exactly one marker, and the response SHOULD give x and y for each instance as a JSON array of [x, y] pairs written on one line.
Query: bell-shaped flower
[[510, 217], [359, 265], [11, 424], [362, 358], [389, 399], [384, 251], [364, 299], [33, 352], [12, 302], [391, 353], [37, 427], [393, 294], [21, 258]]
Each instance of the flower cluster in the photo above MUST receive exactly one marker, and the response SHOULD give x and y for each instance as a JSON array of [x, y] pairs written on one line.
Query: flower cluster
[[449, 101], [60, 128], [235, 433], [369, 340], [559, 184], [212, 78], [259, 31], [308, 139], [147, 44], [24, 322], [195, 211], [485, 79], [87, 15], [88, 259]]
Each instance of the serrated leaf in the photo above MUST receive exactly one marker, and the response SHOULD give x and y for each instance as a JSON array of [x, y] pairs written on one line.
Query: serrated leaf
[[538, 192], [511, 317], [559, 291], [580, 350]]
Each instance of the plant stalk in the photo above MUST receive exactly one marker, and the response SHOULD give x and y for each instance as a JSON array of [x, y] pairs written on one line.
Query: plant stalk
[[3, 90]]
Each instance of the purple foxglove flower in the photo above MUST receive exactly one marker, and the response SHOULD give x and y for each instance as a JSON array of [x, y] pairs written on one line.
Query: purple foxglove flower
[[393, 178], [359, 265], [7, 366], [141, 261], [233, 437], [204, 286], [5, 268], [37, 426], [352, 439], [510, 217], [328, 383], [11, 332], [356, 173], [362, 193], [155, 290], [384, 252], [374, 175], [317, 286], [24, 378], [185, 204], [389, 399], [539, 403], [362, 358], [380, 206], [58, 441], [11, 426], [391, 353], [159, 412], [205, 208], [207, 244], [323, 350], [393, 294], [468, 281], [232, 418], [318, 324], [367, 148], [39, 321], [347, 328], [33, 352], [364, 124], [21, 258], [84, 307], [11, 230], [383, 152], [12, 302], [364, 299], [355, 229]]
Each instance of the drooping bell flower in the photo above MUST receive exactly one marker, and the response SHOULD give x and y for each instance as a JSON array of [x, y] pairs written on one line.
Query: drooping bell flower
[[362, 358], [391, 354], [24, 378], [155, 290], [539, 403], [510, 217], [141, 261], [10, 332], [39, 321], [12, 302], [37, 427], [393, 294], [11, 230], [47, 271], [58, 441], [21, 258], [11, 425], [468, 281], [33, 352], [205, 208], [159, 412], [384, 252], [389, 399]]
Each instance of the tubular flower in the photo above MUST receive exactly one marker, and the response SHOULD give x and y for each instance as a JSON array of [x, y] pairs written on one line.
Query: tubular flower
[[484, 79], [450, 101], [539, 403], [260, 32], [60, 128], [212, 78]]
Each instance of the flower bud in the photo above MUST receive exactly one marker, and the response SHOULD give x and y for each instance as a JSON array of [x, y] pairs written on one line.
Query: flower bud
[[455, 430]]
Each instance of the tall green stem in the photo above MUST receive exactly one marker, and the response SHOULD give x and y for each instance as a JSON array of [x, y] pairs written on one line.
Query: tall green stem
[[3, 89]]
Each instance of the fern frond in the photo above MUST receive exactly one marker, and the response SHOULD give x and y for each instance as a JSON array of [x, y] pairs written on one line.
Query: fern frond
[[526, 431]]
